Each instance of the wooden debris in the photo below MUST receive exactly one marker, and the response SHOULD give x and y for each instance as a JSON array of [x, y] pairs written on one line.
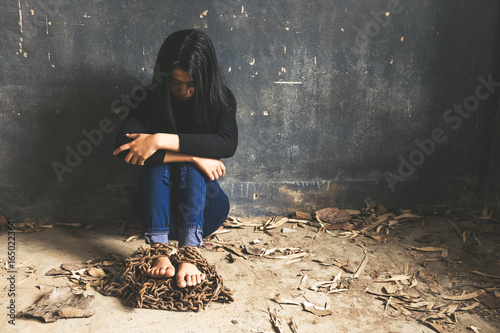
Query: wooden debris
[[290, 256], [455, 226], [485, 215], [435, 326], [361, 268], [303, 283], [272, 223], [330, 287], [427, 249], [469, 307], [278, 299], [474, 329], [435, 287], [387, 304], [131, 238], [293, 326], [289, 253], [276, 320], [233, 249], [318, 311], [486, 275], [232, 219], [220, 231], [390, 288], [394, 278], [234, 222], [30, 227], [293, 261], [30, 275], [73, 225], [269, 251], [466, 296], [406, 216], [414, 282], [380, 220]]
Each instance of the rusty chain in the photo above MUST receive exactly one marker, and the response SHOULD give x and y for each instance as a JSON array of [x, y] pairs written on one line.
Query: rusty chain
[[143, 291]]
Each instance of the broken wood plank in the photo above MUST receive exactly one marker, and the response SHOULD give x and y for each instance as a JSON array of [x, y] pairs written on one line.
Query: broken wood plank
[[486, 275], [394, 278], [466, 296], [380, 220], [427, 249], [275, 320], [360, 268], [318, 311]]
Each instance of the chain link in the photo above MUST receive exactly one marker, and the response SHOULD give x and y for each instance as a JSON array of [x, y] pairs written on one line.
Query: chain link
[[142, 291]]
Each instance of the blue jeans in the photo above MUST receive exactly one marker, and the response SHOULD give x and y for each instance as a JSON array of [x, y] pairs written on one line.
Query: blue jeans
[[177, 201]]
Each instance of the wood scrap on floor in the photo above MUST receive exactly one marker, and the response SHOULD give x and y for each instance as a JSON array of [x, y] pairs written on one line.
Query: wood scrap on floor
[[276, 320], [30, 227], [409, 292]]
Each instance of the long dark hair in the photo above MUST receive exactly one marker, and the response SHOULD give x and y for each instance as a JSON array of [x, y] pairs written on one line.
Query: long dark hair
[[191, 51]]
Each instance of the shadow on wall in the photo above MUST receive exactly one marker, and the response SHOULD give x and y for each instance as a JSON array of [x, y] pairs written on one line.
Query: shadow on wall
[[58, 164]]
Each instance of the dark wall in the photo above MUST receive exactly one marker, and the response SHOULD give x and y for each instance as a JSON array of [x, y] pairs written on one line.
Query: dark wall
[[338, 101], [492, 185]]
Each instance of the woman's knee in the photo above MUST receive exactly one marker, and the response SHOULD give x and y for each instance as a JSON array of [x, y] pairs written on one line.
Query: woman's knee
[[155, 173], [188, 174]]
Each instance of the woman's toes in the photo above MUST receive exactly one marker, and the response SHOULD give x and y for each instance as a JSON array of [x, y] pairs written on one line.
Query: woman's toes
[[189, 280], [170, 272], [181, 283]]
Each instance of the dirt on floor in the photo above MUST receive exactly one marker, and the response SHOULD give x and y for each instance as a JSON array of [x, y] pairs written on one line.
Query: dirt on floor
[[424, 272]]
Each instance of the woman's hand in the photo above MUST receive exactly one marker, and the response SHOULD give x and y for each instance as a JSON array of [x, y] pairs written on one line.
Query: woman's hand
[[211, 167], [143, 146]]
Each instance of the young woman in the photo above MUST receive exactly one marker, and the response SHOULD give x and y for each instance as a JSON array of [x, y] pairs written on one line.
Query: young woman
[[178, 135]]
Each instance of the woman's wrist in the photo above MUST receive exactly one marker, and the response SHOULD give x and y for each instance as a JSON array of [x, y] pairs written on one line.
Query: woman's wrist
[[167, 141], [171, 157]]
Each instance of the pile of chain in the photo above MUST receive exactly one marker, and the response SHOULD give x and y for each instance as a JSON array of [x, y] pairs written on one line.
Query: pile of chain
[[143, 291]]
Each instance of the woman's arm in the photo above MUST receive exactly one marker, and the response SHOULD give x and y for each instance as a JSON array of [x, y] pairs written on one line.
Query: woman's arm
[[134, 123], [213, 168], [145, 145], [141, 148]]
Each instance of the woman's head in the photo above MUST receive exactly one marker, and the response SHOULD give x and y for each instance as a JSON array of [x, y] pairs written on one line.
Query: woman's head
[[188, 56], [181, 84]]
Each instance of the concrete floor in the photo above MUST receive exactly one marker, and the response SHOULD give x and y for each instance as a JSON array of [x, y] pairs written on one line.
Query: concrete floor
[[255, 281]]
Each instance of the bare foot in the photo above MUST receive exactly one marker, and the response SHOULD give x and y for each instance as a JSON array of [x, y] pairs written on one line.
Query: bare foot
[[162, 268], [189, 275]]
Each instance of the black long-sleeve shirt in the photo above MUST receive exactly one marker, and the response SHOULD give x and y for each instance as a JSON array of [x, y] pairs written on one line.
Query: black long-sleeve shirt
[[221, 143]]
